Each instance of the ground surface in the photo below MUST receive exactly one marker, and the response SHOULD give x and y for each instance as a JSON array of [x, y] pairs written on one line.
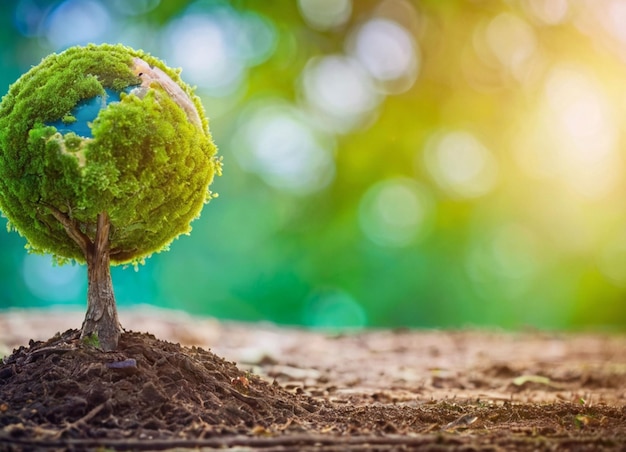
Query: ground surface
[[297, 390]]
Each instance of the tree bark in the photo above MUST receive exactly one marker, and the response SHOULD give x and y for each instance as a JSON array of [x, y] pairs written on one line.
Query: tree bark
[[101, 319]]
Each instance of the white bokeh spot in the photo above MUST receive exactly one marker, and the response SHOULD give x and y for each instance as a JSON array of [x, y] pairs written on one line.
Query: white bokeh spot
[[396, 212]]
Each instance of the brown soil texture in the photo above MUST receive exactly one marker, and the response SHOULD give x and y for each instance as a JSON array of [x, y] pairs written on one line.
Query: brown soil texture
[[300, 390]]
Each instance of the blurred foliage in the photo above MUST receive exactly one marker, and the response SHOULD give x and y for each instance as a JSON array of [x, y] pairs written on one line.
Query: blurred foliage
[[386, 162]]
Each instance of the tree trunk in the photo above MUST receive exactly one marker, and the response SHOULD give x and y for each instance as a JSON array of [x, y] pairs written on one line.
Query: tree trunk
[[101, 319]]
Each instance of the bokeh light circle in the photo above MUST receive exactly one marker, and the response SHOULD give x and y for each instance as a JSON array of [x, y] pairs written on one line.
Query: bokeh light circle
[[51, 283], [217, 46], [388, 52], [325, 14], [460, 164], [332, 308], [396, 212], [277, 142], [76, 22], [505, 255], [339, 91]]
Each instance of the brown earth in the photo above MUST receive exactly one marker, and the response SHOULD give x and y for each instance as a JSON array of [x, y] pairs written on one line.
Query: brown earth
[[299, 390]]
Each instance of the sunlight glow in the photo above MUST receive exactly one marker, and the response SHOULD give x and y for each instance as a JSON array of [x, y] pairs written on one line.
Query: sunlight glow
[[584, 132]]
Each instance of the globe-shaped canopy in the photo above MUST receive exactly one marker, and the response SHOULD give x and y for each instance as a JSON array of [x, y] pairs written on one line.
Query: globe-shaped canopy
[[103, 129]]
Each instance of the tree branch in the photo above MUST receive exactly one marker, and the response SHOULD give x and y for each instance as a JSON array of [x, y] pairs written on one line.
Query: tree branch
[[80, 238]]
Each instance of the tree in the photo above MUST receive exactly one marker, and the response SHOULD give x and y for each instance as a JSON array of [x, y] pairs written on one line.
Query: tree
[[105, 158]]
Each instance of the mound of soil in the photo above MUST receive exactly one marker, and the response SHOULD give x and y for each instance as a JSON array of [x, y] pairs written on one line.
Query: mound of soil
[[373, 391], [147, 389]]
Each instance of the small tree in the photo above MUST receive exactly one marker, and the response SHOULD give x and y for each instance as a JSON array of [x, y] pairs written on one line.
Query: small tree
[[105, 158]]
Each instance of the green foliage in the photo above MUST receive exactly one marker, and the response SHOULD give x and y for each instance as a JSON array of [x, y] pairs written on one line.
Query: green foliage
[[147, 164], [91, 340]]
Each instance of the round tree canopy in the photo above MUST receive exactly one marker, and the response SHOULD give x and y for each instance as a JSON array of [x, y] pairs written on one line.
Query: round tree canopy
[[103, 129]]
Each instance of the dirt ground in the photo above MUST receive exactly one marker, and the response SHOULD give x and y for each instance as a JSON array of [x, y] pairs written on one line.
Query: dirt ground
[[199, 383]]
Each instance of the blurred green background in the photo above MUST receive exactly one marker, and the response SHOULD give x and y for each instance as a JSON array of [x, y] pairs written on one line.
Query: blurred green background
[[386, 162]]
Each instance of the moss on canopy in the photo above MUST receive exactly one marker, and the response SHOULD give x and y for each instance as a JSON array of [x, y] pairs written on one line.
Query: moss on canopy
[[147, 165]]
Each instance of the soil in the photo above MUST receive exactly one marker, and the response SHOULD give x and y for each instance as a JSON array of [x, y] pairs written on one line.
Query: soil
[[291, 389]]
